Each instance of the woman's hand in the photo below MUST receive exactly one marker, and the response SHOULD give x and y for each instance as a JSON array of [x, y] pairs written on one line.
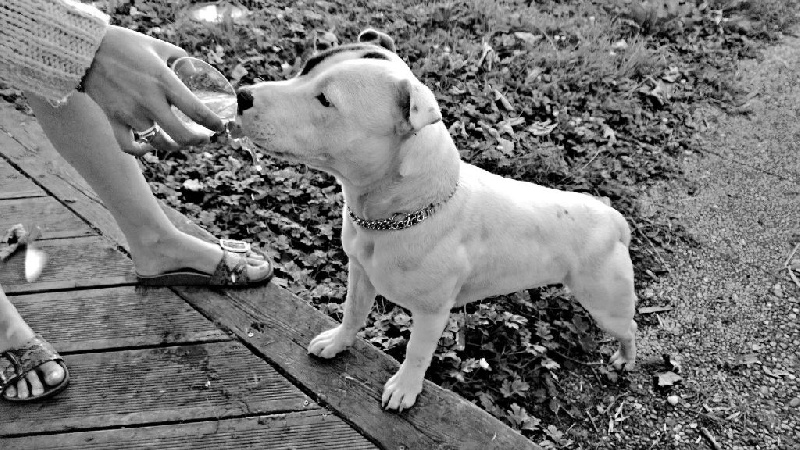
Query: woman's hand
[[131, 81]]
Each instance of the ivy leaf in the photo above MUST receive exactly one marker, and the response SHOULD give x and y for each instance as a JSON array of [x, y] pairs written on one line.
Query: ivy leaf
[[193, 185]]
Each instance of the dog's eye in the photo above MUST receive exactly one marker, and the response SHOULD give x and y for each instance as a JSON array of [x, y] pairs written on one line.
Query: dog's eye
[[323, 100]]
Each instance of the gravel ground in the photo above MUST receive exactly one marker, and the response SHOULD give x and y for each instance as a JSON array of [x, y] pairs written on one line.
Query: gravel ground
[[734, 321], [733, 325]]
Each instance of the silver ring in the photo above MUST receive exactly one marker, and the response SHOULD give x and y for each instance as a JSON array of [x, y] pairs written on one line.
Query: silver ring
[[146, 135]]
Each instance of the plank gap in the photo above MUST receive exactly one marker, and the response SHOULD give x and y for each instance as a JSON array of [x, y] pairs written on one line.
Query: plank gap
[[18, 195], [123, 348], [69, 285]]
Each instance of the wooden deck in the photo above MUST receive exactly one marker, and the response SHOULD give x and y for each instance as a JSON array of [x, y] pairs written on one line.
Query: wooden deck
[[188, 367]]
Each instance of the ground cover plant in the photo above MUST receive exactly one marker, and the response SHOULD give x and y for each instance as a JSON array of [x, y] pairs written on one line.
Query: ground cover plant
[[590, 96]]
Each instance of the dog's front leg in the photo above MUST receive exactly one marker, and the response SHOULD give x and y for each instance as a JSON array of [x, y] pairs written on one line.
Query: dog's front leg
[[401, 391], [358, 302]]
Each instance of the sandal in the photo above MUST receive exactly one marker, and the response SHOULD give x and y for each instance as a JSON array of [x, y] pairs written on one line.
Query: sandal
[[14, 364], [231, 270]]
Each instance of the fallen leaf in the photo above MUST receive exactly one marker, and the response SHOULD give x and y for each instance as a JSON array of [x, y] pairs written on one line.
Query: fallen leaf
[[238, 72], [533, 74], [609, 134], [193, 185], [747, 360], [620, 45], [542, 128], [654, 309], [667, 379], [775, 373], [672, 75], [529, 38], [506, 146], [503, 100]]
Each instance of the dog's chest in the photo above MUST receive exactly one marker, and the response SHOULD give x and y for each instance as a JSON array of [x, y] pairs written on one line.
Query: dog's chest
[[391, 267]]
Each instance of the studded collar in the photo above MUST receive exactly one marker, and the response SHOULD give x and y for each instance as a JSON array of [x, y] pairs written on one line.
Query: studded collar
[[400, 221]]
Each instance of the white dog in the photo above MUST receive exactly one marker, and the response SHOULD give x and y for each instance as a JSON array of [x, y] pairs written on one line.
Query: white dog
[[422, 228]]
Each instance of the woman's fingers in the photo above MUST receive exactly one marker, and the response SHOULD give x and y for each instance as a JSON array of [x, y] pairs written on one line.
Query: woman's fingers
[[183, 99], [124, 136], [168, 52], [149, 131], [175, 128]]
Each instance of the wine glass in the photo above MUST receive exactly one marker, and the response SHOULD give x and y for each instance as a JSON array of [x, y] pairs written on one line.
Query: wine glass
[[216, 92]]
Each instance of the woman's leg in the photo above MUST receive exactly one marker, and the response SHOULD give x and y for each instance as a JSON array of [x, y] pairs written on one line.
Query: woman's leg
[[14, 333], [80, 132]]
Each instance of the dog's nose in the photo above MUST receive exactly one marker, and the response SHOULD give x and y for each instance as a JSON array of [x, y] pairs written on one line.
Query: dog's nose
[[244, 98]]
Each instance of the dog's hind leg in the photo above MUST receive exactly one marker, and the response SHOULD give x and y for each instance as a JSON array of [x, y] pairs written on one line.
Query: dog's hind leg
[[606, 291]]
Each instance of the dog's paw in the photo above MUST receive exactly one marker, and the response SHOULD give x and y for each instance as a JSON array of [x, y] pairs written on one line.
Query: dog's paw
[[329, 343], [621, 362], [401, 392]]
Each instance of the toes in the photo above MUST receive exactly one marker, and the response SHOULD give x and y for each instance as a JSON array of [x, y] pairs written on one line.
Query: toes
[[399, 394], [255, 259], [324, 348], [398, 401], [620, 362], [53, 373], [22, 388], [36, 388], [34, 383], [328, 344], [258, 270]]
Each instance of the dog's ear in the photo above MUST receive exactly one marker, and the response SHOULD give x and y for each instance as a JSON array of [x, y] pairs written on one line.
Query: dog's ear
[[371, 36], [417, 105]]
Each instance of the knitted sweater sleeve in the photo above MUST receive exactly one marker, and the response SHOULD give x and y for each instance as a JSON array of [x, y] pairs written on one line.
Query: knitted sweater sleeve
[[46, 46]]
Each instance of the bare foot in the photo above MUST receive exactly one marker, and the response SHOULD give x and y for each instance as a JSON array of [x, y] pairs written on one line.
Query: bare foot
[[185, 251], [36, 381]]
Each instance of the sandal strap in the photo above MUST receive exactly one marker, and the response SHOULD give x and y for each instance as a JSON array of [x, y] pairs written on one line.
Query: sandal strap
[[15, 363], [235, 246], [232, 268]]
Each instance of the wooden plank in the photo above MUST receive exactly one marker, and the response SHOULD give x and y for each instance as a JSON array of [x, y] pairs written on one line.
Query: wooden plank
[[16, 185], [71, 263], [101, 319], [306, 430], [167, 384], [52, 217], [351, 384]]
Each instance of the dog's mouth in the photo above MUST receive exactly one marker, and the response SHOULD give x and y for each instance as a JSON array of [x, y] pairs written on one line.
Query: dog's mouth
[[286, 156], [321, 162]]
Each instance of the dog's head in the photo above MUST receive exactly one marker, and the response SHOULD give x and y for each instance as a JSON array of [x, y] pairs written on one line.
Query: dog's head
[[352, 103]]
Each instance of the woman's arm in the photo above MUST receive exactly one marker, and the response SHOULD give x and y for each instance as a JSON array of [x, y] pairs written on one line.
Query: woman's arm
[[46, 46]]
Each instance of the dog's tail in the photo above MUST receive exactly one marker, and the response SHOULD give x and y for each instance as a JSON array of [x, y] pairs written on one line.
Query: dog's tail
[[624, 229]]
